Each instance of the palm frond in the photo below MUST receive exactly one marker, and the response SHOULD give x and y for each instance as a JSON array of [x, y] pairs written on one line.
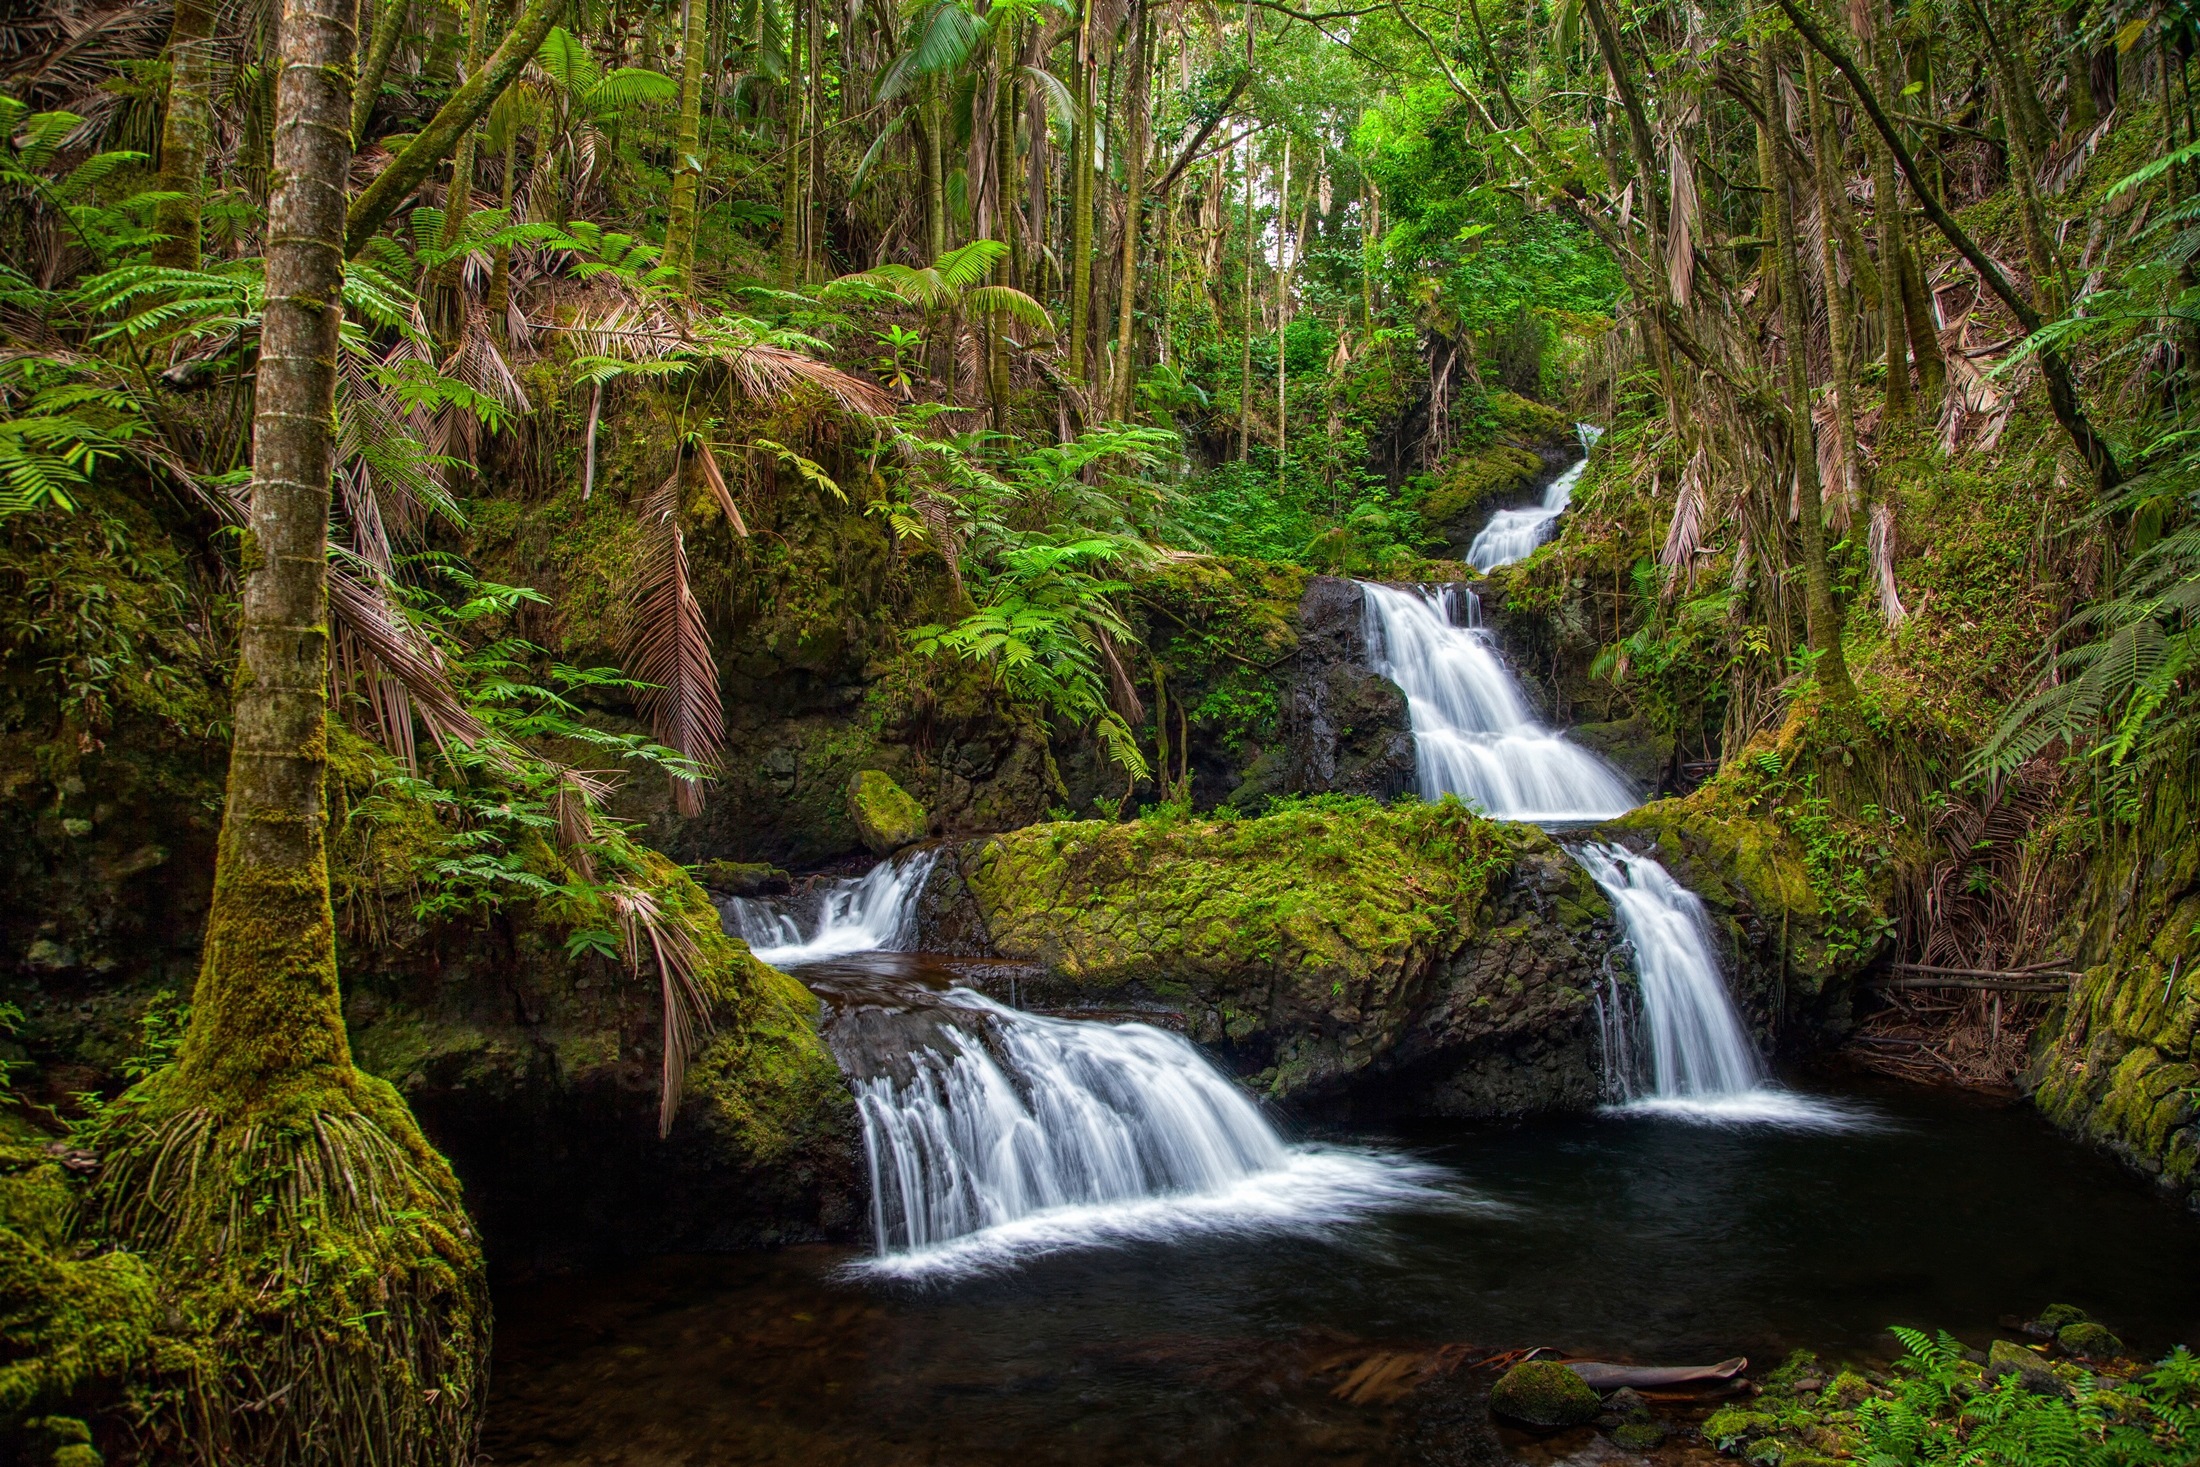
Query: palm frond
[[671, 648]]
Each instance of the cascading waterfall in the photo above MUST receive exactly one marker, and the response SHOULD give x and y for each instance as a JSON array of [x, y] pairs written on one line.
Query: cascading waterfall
[[875, 912], [1513, 534], [1700, 1061], [1686, 1051], [1002, 1134], [1473, 733]]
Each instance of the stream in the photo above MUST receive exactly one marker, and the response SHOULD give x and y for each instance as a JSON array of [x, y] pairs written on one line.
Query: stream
[[1091, 1245]]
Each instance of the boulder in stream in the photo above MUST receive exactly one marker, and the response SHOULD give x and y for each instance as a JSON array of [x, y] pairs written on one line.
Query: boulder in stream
[[1543, 1393]]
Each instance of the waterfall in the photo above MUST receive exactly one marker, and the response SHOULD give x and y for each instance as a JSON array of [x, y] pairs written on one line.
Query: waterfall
[[1701, 1063], [872, 913], [1473, 733], [1513, 534], [1000, 1134]]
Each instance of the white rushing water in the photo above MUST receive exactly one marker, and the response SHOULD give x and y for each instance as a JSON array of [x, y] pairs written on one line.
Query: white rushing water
[[1513, 534], [876, 912], [1473, 733], [1023, 1134], [1700, 1060]]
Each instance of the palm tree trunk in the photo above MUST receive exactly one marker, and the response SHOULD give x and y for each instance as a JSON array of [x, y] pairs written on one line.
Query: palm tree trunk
[[186, 129], [1908, 280], [813, 241], [458, 203], [264, 1086], [1283, 302], [1134, 200], [687, 163], [1822, 615]]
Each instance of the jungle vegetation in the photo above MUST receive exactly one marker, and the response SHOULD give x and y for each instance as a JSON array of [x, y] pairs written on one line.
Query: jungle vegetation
[[1891, 308]]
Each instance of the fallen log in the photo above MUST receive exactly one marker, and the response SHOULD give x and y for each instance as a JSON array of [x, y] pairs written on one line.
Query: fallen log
[[1606, 1377]]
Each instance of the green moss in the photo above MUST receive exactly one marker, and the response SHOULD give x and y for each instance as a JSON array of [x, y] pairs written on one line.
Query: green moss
[[69, 1317], [1331, 902], [1644, 1435], [1543, 1393], [1473, 480], [743, 878], [2089, 1341], [884, 814]]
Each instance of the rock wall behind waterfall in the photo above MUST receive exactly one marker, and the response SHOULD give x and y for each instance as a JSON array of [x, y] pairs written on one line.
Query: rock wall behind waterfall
[[1414, 960]]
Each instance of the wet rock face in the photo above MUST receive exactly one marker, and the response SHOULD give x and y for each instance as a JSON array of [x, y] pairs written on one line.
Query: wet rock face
[[1345, 728], [1360, 961]]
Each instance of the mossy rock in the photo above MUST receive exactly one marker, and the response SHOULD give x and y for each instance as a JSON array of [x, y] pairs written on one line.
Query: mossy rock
[[1730, 1427], [2055, 1317], [1543, 1393], [67, 1320], [886, 815], [1643, 1434], [2088, 1341], [745, 878]]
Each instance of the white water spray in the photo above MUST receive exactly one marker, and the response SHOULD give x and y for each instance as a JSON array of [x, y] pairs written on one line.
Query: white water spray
[[1014, 1134], [876, 912], [1514, 534], [1473, 733]]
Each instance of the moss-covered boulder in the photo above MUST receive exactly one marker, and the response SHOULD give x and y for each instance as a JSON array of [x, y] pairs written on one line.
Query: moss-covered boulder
[[2088, 1341], [884, 814], [1413, 958], [70, 1317], [1543, 1393]]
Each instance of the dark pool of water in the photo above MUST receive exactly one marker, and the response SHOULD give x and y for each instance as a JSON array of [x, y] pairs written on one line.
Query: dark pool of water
[[1639, 1239]]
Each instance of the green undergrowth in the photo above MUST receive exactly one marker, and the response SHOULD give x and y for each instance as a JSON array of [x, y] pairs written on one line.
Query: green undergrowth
[[1943, 1405]]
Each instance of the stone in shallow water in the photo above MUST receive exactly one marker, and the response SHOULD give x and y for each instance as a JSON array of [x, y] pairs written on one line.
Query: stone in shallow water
[[1543, 1393], [2089, 1341]]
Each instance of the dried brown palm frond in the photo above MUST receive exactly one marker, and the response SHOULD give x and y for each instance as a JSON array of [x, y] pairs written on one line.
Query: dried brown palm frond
[[686, 1009], [671, 650], [573, 802], [1884, 547], [62, 56], [716, 481], [1691, 512], [376, 646]]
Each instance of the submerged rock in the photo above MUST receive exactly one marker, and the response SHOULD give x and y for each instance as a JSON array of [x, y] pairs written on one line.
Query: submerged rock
[[1543, 1393], [886, 815]]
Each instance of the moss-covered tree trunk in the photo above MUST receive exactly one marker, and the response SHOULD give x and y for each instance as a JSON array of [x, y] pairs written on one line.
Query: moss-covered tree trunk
[[307, 1235], [186, 128], [1826, 173], [1822, 615], [389, 28], [687, 166]]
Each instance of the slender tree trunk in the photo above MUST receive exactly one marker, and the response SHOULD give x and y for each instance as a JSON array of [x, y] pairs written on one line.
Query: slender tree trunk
[[389, 29], [1822, 615], [394, 184], [790, 154], [1080, 201], [935, 177], [1825, 150], [1009, 267], [1245, 359], [1134, 200], [500, 272], [458, 203], [186, 129], [2018, 125], [1036, 171], [1283, 303], [814, 254], [687, 163], [1908, 279]]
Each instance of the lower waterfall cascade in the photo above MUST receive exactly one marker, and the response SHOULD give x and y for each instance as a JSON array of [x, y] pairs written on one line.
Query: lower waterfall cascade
[[1012, 1134]]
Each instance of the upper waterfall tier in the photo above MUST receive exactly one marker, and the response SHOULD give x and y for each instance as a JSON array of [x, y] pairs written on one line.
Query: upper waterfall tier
[[875, 912], [1473, 733], [1513, 534]]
